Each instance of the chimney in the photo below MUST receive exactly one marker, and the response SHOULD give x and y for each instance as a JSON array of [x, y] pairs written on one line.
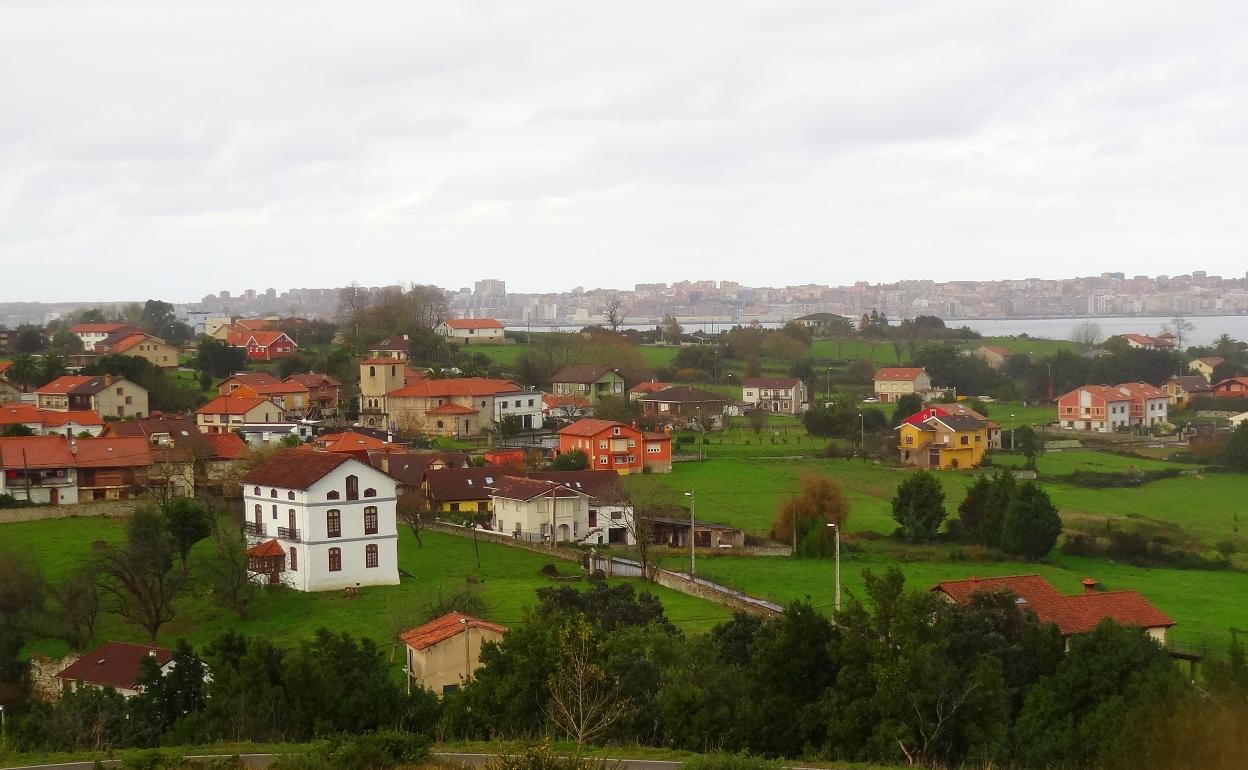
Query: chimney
[[1090, 585], [108, 380]]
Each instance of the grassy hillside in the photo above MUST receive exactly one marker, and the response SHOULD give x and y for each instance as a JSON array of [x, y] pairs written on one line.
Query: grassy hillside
[[507, 578]]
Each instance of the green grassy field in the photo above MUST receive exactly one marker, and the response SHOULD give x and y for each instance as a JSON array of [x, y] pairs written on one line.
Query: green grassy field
[[508, 579], [1203, 604]]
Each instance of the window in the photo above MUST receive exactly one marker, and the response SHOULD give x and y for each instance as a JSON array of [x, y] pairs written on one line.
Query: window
[[272, 493], [259, 512], [353, 488], [333, 522], [290, 495], [290, 520], [372, 371], [455, 507], [370, 492], [966, 440], [294, 560], [275, 512], [335, 560], [370, 555], [255, 491], [370, 520], [530, 402], [332, 495], [602, 460]]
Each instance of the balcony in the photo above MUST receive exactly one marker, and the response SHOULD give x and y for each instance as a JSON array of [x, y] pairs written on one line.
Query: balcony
[[253, 528], [286, 533]]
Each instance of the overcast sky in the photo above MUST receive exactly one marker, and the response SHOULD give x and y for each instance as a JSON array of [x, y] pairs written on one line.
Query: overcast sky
[[171, 149]]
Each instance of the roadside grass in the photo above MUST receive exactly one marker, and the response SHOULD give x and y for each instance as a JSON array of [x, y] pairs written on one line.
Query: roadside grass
[[507, 579], [1204, 605]]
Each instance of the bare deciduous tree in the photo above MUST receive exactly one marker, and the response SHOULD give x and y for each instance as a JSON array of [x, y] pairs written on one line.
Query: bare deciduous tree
[[613, 312], [139, 574], [413, 509], [1181, 328], [228, 569], [78, 596], [584, 700], [1086, 334]]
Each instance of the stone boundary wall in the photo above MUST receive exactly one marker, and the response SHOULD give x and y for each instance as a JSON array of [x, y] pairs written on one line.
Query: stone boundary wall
[[566, 554], [94, 508]]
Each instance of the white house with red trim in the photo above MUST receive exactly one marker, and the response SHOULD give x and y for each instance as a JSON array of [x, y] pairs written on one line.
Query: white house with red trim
[[321, 521], [469, 331]]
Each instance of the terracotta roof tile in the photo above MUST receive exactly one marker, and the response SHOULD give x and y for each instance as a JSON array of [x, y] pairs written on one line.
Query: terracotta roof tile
[[456, 386], [114, 664], [295, 470], [233, 405], [35, 452], [445, 627], [473, 323], [591, 427], [112, 452], [519, 488], [225, 446], [770, 382], [685, 394], [267, 548], [582, 375], [898, 374]]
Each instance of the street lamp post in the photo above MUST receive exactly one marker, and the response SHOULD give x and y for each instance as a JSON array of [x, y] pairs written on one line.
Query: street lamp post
[[862, 430], [693, 554], [1013, 428], [836, 532], [829, 382]]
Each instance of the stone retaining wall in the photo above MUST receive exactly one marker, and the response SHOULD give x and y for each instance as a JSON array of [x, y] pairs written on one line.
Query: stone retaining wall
[[94, 508], [559, 552]]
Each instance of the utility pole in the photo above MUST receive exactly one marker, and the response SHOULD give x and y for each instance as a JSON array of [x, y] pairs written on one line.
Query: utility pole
[[836, 532]]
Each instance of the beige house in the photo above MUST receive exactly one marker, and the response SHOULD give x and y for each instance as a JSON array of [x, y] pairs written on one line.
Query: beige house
[[522, 508], [460, 407], [1205, 366], [468, 331], [782, 395], [993, 355], [591, 382], [891, 383], [224, 414], [444, 653], [1183, 388], [104, 394], [9, 393], [143, 345]]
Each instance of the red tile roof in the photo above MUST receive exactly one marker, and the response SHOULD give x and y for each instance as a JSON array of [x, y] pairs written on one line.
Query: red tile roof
[[473, 323], [591, 427], [63, 384], [267, 548], [233, 405], [518, 488], [445, 627], [97, 328], [314, 380], [83, 417], [1143, 390], [4, 365], [294, 469], [1072, 614], [898, 374], [35, 452], [225, 446], [457, 386], [125, 343], [451, 409], [112, 452], [556, 401], [1003, 352], [649, 387], [348, 441], [15, 414], [770, 382], [113, 664]]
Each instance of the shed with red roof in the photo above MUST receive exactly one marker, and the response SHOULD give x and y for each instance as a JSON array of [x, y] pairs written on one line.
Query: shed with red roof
[[444, 653]]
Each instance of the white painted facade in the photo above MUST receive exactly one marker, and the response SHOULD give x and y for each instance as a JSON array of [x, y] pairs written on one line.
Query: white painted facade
[[576, 519], [318, 556], [525, 404]]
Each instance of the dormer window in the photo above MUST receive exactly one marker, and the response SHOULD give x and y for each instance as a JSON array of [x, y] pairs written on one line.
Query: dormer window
[[255, 491], [332, 495]]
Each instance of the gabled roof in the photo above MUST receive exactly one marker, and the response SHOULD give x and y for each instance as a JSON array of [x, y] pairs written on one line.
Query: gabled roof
[[410, 467], [35, 452], [1232, 380], [265, 339], [1143, 390], [225, 446], [1100, 391], [899, 374], [113, 664], [473, 323], [602, 487], [443, 628], [125, 343], [107, 328], [112, 452], [650, 386], [267, 548], [314, 380], [997, 349], [347, 441], [556, 401], [462, 483], [685, 394], [958, 423], [253, 380], [233, 405], [62, 385], [82, 385], [393, 342], [22, 414], [1210, 360], [1192, 383], [1072, 614], [4, 365], [582, 375], [451, 409], [519, 488], [588, 426], [295, 470], [456, 386], [770, 382]]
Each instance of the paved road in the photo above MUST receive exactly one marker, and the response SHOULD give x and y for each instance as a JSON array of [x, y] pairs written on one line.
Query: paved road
[[467, 760]]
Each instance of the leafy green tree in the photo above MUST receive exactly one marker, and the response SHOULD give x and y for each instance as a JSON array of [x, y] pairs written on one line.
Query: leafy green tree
[[1236, 453], [1004, 488], [1032, 525], [217, 358], [167, 698], [51, 366], [906, 406], [138, 574], [572, 460], [65, 343], [919, 506], [25, 372], [974, 508], [29, 339], [1029, 443], [609, 608], [189, 521], [16, 429]]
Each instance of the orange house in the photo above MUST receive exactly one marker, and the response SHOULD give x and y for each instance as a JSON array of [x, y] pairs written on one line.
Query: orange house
[[614, 446]]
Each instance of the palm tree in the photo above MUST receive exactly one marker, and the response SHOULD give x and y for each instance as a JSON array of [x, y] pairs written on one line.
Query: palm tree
[[25, 371], [50, 368]]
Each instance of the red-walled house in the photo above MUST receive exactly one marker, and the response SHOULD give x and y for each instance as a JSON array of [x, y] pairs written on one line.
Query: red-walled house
[[614, 446], [262, 346], [1094, 407], [1233, 387]]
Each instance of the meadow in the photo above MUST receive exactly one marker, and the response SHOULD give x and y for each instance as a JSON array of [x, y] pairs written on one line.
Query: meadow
[[507, 579]]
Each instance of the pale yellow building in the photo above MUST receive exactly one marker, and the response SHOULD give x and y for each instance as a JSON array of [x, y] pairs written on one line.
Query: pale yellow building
[[444, 653]]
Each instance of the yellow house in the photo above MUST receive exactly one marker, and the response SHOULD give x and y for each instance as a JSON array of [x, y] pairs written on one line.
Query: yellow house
[[958, 441], [444, 653], [461, 490]]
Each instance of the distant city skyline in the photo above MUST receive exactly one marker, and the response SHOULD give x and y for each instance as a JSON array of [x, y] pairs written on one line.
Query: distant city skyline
[[153, 148]]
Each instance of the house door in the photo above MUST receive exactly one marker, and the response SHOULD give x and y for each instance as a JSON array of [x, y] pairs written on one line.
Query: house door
[[933, 458], [54, 495]]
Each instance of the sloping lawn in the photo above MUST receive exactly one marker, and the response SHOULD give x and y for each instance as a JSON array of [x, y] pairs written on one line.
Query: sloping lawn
[[507, 577]]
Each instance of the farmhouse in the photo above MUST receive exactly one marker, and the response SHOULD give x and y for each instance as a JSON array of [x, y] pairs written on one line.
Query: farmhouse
[[591, 382], [891, 383], [321, 521], [1205, 366], [683, 404], [1181, 389], [469, 331], [1094, 407], [938, 438], [116, 665], [993, 355], [224, 414], [444, 653], [1144, 342], [532, 509], [782, 395], [610, 512]]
